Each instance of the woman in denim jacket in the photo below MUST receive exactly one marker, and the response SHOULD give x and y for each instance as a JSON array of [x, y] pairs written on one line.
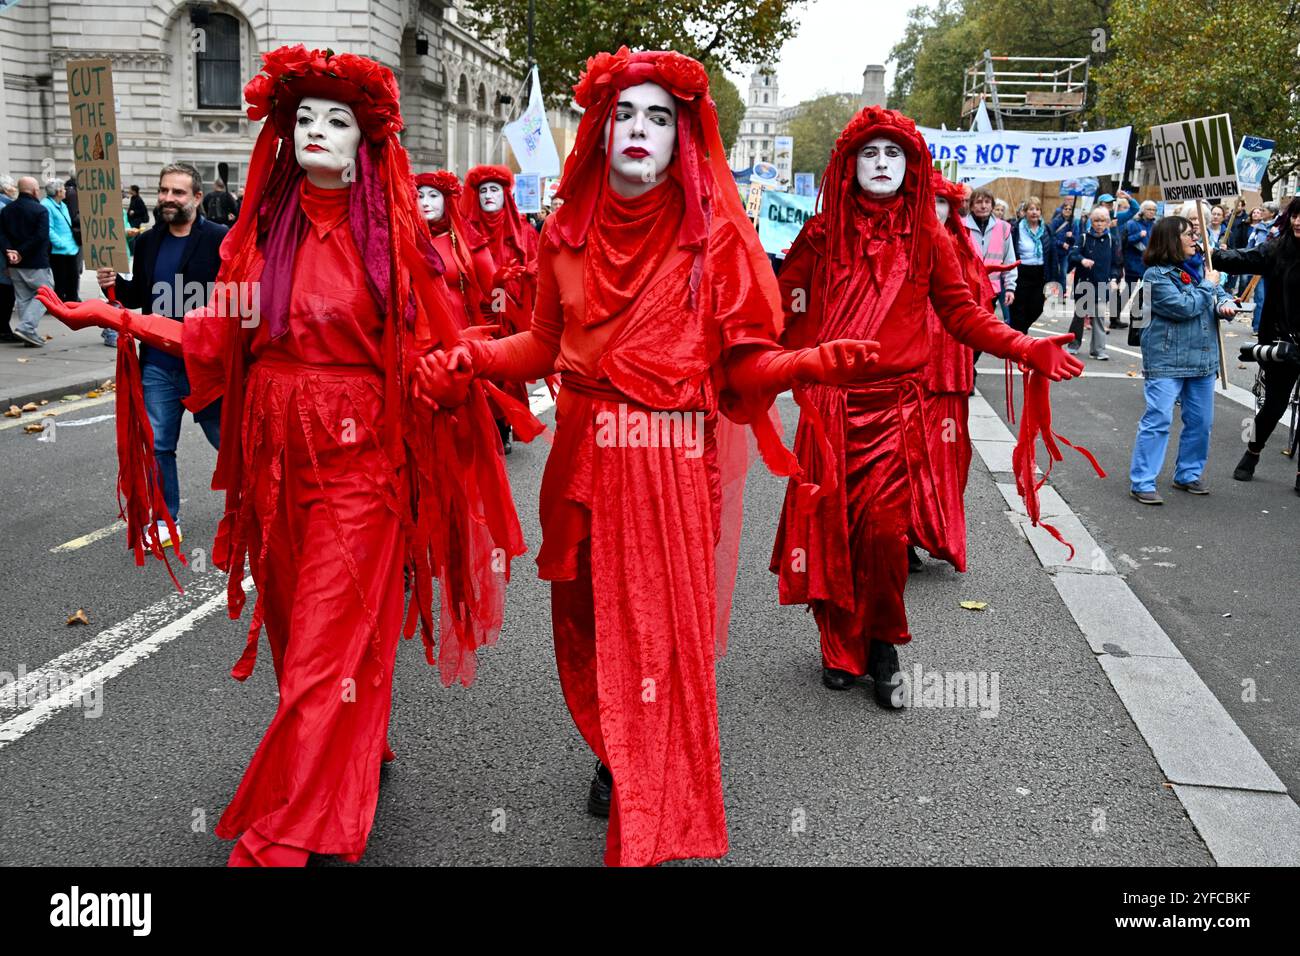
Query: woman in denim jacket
[[1180, 357]]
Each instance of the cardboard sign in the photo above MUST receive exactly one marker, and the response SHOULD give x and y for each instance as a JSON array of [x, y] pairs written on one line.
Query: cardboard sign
[[94, 157], [754, 200], [1195, 159], [784, 156], [1252, 162]]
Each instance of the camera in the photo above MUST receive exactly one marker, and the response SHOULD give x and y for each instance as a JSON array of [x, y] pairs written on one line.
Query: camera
[[1273, 352]]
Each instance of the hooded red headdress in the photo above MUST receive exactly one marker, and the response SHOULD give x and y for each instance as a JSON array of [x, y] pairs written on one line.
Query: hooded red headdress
[[465, 239], [456, 509], [699, 166], [971, 263], [503, 230]]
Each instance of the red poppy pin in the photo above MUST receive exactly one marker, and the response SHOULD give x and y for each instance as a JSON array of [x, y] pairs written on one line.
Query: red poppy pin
[[1187, 280]]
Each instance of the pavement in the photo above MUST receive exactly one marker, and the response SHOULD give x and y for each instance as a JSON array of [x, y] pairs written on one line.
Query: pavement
[[71, 362], [1112, 729]]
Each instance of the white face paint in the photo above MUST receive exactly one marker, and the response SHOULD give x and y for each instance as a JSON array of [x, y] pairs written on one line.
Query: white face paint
[[491, 197], [881, 166], [941, 208], [325, 141], [643, 138], [432, 203]]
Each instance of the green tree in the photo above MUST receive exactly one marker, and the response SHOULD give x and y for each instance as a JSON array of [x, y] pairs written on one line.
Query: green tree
[[816, 127], [730, 103], [727, 33], [1177, 60]]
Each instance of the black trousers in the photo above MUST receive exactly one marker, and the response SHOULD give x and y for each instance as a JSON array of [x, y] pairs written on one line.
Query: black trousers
[[67, 280], [1028, 307], [1279, 380], [6, 305]]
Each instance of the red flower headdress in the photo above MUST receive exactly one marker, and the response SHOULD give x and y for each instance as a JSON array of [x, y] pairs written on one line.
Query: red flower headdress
[[292, 72], [442, 180]]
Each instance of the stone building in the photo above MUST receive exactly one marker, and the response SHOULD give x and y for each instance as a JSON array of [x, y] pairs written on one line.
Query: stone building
[[179, 69], [762, 122]]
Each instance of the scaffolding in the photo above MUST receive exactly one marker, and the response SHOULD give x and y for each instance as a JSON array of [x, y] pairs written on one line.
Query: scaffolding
[[1025, 87]]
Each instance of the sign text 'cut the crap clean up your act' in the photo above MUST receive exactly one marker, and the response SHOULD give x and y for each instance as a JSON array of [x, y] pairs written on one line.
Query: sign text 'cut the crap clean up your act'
[[95, 156]]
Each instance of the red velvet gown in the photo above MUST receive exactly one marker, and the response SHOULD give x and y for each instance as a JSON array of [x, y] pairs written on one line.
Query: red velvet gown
[[847, 555], [322, 521], [470, 291], [629, 533], [949, 378]]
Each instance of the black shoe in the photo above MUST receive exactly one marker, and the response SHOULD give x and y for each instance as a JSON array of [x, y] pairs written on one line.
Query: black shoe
[[1119, 325], [836, 679], [601, 792], [882, 665], [507, 441], [914, 562], [1245, 469]]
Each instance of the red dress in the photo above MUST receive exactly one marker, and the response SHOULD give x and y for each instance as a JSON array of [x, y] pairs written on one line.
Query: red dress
[[323, 525], [847, 556], [470, 289], [629, 533]]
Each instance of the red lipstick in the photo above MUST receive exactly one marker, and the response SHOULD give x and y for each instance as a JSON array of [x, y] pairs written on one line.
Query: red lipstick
[[636, 152]]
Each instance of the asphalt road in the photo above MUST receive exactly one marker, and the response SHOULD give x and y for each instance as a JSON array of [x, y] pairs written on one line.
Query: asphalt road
[[1217, 572], [1059, 776]]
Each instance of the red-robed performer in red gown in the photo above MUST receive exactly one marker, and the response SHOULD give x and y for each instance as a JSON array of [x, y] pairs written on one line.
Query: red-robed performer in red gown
[[488, 207], [658, 307], [468, 267], [949, 378], [869, 266], [337, 478]]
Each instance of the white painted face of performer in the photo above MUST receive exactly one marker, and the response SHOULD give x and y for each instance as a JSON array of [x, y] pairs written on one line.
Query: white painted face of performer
[[491, 197], [941, 209], [881, 167], [642, 139], [325, 140], [432, 203]]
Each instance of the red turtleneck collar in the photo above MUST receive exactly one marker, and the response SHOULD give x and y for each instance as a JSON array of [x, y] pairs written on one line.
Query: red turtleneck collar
[[324, 208]]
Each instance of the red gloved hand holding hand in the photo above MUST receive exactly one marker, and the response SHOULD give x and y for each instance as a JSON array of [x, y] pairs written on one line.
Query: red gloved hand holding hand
[[1046, 357], [837, 362]]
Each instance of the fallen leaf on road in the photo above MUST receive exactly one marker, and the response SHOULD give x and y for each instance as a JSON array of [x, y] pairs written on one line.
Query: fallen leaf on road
[[14, 412], [78, 618], [974, 605], [1229, 614], [49, 338], [72, 398], [30, 407], [45, 401], [92, 394], [33, 428], [1131, 374], [24, 361]]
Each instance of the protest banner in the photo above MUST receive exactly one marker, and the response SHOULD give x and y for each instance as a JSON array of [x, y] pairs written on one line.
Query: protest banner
[[95, 159], [530, 136], [804, 184], [528, 192], [784, 158], [1086, 186], [780, 217], [1252, 162], [754, 200], [1043, 157], [1195, 159]]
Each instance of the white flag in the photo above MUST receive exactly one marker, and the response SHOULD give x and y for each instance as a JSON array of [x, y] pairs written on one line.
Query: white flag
[[530, 136], [982, 124]]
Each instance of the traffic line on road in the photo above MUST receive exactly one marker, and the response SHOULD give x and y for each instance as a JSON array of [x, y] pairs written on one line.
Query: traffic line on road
[[71, 678], [1216, 772], [78, 543], [52, 409]]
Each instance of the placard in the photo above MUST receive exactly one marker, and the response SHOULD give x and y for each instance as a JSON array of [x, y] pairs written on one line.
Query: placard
[[95, 159], [1195, 159]]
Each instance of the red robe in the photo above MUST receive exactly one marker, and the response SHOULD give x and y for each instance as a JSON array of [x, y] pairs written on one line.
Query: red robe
[[629, 533], [847, 556], [949, 378], [470, 290]]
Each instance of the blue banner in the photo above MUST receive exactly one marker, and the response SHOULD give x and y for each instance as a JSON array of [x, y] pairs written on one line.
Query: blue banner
[[780, 218]]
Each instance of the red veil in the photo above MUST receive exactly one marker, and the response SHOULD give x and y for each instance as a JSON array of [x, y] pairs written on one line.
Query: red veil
[[708, 194], [457, 514]]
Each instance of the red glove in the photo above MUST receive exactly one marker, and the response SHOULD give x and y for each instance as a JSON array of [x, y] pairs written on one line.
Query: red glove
[[506, 273], [838, 362], [81, 315], [438, 382], [1046, 357]]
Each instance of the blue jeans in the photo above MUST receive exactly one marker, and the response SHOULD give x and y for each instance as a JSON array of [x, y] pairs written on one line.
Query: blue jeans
[[1259, 306], [1197, 396], [163, 390]]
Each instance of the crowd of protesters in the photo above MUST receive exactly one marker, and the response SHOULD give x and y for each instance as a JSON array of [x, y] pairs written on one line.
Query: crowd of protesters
[[1122, 256]]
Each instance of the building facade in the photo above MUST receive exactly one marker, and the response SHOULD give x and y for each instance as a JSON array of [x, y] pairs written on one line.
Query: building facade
[[755, 142], [179, 69]]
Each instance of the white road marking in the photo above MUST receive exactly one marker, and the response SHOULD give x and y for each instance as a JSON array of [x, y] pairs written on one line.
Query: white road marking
[[46, 411], [84, 670], [540, 400], [85, 539]]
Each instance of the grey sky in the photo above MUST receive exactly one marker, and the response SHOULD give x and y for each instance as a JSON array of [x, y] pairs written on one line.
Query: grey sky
[[836, 40]]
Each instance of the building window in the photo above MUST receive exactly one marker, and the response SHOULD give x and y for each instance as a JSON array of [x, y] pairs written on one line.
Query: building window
[[217, 65], [765, 98]]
